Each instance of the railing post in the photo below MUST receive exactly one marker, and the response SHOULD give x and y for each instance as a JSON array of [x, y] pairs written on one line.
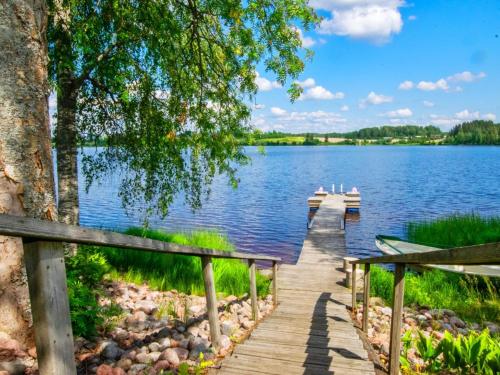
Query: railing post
[[253, 290], [397, 310], [353, 286], [275, 283], [213, 315], [48, 291], [366, 296]]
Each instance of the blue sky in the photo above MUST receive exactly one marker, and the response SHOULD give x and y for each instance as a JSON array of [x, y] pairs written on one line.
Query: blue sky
[[391, 62]]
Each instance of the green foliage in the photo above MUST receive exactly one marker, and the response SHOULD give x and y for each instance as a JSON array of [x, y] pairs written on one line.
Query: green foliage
[[471, 354], [181, 272], [455, 230], [309, 140], [84, 273], [167, 84], [477, 132]]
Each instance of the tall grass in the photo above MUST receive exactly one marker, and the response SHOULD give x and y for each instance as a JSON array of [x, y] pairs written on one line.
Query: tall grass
[[455, 230], [182, 272], [472, 297]]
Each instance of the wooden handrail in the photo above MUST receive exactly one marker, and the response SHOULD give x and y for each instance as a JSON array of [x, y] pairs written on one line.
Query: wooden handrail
[[468, 255], [484, 254], [41, 230], [44, 260]]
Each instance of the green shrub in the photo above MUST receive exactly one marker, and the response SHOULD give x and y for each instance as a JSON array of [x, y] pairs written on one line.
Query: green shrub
[[182, 272], [471, 354]]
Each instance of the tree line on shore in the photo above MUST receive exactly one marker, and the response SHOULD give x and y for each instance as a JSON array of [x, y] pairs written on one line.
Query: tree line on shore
[[477, 132]]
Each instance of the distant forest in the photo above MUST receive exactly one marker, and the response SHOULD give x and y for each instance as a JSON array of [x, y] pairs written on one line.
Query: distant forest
[[478, 132]]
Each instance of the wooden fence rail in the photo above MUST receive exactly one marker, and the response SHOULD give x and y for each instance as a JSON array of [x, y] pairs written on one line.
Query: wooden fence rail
[[44, 259], [485, 254]]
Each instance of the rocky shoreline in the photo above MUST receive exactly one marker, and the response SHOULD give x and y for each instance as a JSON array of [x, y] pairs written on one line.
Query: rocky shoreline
[[156, 331], [432, 322]]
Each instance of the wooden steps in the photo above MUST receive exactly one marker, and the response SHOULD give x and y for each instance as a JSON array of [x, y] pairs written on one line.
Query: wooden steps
[[311, 331]]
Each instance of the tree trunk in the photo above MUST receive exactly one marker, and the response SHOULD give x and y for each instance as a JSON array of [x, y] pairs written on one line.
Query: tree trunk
[[26, 177], [67, 150]]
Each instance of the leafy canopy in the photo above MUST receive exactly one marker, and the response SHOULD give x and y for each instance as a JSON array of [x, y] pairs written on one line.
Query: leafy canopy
[[168, 84]]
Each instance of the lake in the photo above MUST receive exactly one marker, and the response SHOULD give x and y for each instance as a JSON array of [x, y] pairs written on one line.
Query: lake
[[267, 213]]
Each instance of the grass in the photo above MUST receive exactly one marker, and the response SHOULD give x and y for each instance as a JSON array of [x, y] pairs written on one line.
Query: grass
[[182, 272], [474, 298]]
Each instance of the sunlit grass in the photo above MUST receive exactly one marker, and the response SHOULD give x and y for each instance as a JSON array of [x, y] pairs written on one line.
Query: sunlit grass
[[182, 272]]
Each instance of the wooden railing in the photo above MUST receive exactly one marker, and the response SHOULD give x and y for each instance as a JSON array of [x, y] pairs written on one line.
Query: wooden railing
[[44, 259], [487, 254]]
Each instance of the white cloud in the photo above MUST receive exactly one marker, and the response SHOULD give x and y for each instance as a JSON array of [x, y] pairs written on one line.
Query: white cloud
[[307, 42], [412, 17], [466, 76], [375, 99], [398, 113], [264, 84], [320, 93], [406, 85], [278, 111], [309, 82], [490, 116], [259, 106], [428, 103], [344, 108], [373, 20], [466, 115], [440, 84]]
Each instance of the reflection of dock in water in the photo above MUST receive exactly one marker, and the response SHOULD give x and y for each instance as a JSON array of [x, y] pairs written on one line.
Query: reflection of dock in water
[[351, 200]]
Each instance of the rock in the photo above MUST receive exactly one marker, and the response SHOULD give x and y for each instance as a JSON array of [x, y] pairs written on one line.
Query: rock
[[421, 318], [182, 353], [110, 350], [196, 309], [164, 344], [493, 328], [143, 358], [15, 367], [228, 327], [148, 307], [457, 322], [124, 363], [198, 341], [154, 356], [447, 327], [32, 351], [171, 356], [108, 370], [184, 343], [136, 369], [193, 330], [154, 347], [162, 365], [376, 301], [181, 328], [247, 324], [164, 332], [386, 311], [225, 342], [9, 348]]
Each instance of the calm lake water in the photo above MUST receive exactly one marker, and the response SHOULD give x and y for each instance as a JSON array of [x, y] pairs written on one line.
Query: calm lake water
[[267, 213]]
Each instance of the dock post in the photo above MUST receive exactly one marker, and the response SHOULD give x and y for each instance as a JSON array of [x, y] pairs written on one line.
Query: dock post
[[213, 315], [366, 297], [253, 290], [397, 309], [353, 286], [275, 283], [48, 291]]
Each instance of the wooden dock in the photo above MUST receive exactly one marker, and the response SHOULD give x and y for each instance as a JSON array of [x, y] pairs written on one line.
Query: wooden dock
[[310, 332]]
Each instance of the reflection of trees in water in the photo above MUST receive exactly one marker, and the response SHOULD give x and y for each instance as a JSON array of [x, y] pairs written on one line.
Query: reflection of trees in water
[[352, 216]]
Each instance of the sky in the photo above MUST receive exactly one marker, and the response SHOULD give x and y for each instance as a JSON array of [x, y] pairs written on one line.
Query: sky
[[391, 62]]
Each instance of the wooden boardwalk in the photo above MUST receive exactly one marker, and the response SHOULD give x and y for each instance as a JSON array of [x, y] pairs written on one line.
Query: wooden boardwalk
[[310, 332]]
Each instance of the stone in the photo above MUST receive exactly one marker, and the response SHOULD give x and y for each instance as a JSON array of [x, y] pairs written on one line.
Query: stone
[[154, 356], [196, 309], [181, 328], [154, 347], [9, 348], [162, 365], [164, 344], [120, 334], [421, 318], [124, 363], [108, 370], [171, 356], [32, 351], [182, 353], [15, 367], [493, 328], [164, 332], [386, 311], [447, 327], [225, 342], [143, 358], [247, 324], [136, 369], [109, 349], [228, 327], [148, 307], [198, 341], [457, 322], [193, 330]]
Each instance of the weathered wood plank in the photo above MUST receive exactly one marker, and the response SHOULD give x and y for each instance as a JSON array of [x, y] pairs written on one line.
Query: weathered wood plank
[[275, 283], [253, 289], [397, 310], [48, 291], [211, 297], [366, 296], [42, 230]]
